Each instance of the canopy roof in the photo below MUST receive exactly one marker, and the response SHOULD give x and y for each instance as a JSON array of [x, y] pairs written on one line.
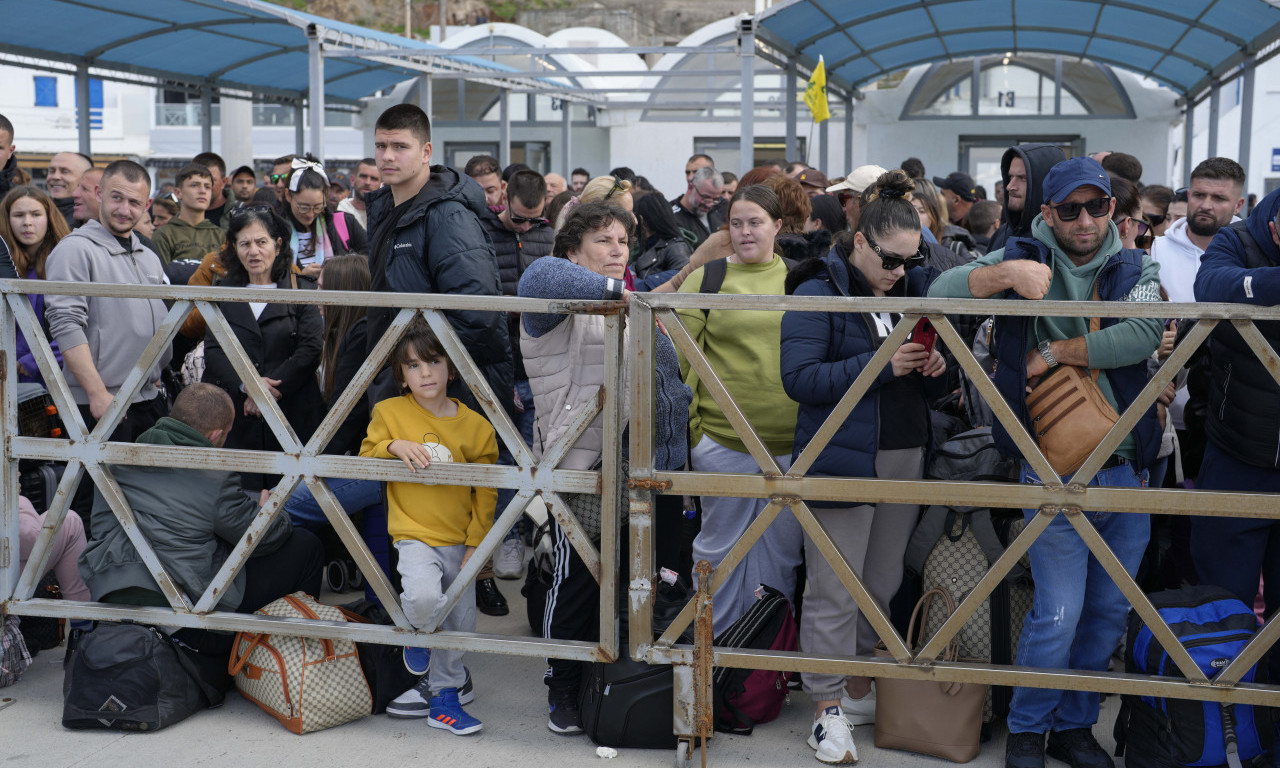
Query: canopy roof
[[242, 45], [1185, 44]]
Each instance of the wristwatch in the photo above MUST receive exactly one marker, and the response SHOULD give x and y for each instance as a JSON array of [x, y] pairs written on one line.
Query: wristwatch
[[1047, 354]]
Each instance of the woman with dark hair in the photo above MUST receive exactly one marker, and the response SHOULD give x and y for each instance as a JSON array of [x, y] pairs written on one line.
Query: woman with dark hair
[[663, 249], [742, 347], [283, 341], [885, 436], [564, 356], [317, 233], [30, 226], [826, 220], [796, 209]]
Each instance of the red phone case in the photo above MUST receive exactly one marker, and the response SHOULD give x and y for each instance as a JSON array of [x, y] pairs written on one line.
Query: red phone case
[[924, 333]]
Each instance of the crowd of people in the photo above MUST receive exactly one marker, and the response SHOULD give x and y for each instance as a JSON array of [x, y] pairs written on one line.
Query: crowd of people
[[1056, 228]]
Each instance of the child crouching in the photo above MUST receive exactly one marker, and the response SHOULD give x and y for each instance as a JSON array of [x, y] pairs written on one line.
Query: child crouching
[[435, 528]]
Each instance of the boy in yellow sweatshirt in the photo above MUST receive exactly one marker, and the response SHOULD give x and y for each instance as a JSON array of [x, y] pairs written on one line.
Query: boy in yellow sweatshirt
[[435, 528]]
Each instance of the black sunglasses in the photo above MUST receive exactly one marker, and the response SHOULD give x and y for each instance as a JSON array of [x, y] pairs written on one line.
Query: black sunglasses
[[1155, 219], [617, 187], [536, 221], [1097, 208], [891, 261]]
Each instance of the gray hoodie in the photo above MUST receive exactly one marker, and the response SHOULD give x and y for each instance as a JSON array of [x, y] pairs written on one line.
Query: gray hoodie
[[116, 330]]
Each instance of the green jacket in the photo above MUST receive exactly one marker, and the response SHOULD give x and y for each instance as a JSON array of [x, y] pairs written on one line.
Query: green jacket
[[192, 517], [178, 240]]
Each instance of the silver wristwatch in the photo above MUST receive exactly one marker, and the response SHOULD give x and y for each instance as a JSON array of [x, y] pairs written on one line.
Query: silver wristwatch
[[1047, 354]]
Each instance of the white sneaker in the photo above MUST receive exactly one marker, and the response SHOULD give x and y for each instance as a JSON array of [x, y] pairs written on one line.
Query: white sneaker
[[509, 564], [832, 737], [860, 711]]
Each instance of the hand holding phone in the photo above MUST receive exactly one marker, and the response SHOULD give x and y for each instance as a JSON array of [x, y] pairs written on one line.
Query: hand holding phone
[[924, 334]]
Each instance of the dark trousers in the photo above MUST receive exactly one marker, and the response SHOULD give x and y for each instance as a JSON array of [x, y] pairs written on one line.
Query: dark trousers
[[140, 417], [572, 612], [1232, 552], [295, 567]]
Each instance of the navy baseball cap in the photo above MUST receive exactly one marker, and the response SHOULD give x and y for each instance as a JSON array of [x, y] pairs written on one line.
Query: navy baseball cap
[[1069, 175]]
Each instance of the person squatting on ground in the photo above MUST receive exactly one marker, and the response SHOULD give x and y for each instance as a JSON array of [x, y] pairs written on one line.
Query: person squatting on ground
[[435, 528]]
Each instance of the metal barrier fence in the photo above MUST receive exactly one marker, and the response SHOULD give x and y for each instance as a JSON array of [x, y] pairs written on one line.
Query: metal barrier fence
[[91, 452]]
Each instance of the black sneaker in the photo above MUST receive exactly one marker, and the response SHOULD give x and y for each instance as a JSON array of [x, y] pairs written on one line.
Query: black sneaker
[[489, 600], [564, 717], [416, 702], [1024, 750], [1078, 748]]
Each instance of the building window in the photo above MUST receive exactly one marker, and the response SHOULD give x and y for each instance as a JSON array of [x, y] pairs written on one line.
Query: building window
[[46, 91]]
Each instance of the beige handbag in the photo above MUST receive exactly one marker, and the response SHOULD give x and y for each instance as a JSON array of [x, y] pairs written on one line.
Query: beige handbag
[[942, 719], [306, 683], [1069, 413]]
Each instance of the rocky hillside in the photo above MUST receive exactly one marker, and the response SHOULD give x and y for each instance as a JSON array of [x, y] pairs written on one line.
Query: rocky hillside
[[656, 22]]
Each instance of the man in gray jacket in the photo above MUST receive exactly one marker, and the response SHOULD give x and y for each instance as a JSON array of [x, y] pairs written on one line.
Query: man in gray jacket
[[193, 518], [103, 338]]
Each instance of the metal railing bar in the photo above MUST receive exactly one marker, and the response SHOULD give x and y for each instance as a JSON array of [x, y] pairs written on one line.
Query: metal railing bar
[[1133, 593], [359, 384], [249, 377], [985, 586], [54, 380], [1251, 654], [852, 582], [1144, 400], [1000, 408], [10, 529], [244, 548], [38, 560], [616, 416], [692, 353], [640, 516], [553, 454], [1261, 348], [857, 390], [474, 378], [578, 539]]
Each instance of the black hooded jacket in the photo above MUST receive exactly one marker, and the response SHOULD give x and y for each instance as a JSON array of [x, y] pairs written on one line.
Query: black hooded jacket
[[8, 175], [1038, 159], [437, 245]]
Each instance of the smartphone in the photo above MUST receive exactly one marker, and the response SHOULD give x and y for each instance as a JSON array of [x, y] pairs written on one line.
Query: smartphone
[[924, 333]]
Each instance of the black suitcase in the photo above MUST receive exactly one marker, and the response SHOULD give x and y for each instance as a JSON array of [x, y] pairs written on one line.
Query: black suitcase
[[628, 704]]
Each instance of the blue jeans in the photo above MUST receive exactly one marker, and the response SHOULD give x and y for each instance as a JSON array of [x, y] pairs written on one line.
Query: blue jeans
[[353, 495], [1078, 615]]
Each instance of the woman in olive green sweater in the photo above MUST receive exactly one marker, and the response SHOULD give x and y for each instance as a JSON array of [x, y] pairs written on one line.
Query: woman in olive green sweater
[[743, 348]]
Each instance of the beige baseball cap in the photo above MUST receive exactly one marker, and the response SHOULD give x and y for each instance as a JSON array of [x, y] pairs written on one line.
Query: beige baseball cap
[[859, 179]]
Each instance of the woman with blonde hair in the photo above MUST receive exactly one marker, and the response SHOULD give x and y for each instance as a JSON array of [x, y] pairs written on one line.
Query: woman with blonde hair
[[31, 226]]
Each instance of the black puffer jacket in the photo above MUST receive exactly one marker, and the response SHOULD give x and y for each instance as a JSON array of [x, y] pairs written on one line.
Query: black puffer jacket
[[515, 252], [1038, 159], [437, 245], [8, 175]]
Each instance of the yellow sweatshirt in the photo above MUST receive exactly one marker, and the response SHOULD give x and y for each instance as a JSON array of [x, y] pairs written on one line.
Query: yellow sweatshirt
[[437, 515]]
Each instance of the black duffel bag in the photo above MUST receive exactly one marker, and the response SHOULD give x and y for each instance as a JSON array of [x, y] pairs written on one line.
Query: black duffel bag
[[130, 677]]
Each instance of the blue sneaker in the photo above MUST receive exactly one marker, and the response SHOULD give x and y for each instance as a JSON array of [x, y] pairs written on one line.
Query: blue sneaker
[[417, 660], [447, 714]]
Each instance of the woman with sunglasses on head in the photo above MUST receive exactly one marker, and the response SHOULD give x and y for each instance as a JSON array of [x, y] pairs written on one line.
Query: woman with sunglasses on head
[[885, 436], [1156, 200], [30, 226], [742, 347], [317, 233], [283, 341]]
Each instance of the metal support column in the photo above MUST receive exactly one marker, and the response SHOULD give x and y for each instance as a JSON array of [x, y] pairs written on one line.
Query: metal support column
[[504, 128], [1215, 100], [316, 75], [1188, 135], [1057, 85], [299, 126], [747, 49], [10, 561], [975, 88], [566, 138], [82, 107], [426, 93], [823, 158], [848, 135], [206, 118], [792, 152], [1246, 123]]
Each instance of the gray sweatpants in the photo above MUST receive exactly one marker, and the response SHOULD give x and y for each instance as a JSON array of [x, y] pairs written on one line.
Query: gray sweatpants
[[873, 539], [426, 573], [772, 560]]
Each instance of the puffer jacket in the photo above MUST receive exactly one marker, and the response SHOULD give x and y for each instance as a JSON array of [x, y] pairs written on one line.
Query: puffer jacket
[[515, 252], [437, 245], [191, 517]]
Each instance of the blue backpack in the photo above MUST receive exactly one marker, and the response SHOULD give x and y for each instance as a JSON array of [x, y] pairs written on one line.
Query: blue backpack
[[1214, 627]]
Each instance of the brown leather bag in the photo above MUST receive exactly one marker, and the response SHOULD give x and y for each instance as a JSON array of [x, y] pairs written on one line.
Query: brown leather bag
[[1069, 413], [943, 719]]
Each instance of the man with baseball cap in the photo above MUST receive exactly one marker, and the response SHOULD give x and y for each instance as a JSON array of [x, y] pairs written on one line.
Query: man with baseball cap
[[814, 181], [960, 192], [1078, 616], [849, 192]]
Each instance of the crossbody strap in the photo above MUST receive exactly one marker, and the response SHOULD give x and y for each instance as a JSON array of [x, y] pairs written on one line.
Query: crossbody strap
[[1095, 323]]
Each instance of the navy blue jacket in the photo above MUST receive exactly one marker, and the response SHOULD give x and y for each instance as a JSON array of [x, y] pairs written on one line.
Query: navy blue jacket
[[438, 245], [822, 354], [1242, 265], [1009, 346]]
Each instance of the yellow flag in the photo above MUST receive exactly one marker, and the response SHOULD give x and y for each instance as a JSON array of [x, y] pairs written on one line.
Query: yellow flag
[[816, 94]]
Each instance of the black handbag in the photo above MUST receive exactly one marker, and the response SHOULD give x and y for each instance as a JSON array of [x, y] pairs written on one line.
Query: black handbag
[[130, 677]]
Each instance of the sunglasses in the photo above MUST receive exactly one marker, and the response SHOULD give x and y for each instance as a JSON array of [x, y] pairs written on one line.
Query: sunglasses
[[1155, 219], [616, 188], [536, 221], [1097, 208], [891, 261], [245, 210], [276, 178]]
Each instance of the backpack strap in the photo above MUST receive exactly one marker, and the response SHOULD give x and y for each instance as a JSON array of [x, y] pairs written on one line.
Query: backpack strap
[[340, 226], [713, 273]]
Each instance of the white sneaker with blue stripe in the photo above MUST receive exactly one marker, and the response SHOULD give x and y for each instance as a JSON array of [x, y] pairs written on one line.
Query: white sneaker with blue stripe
[[832, 737]]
